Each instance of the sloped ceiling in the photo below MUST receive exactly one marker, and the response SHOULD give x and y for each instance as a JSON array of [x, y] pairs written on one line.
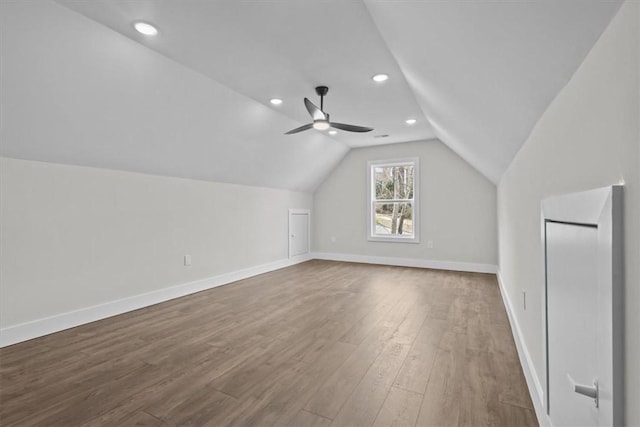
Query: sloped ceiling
[[80, 86], [484, 72]]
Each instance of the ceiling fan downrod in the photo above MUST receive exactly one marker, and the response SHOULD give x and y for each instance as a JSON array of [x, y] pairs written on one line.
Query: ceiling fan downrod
[[322, 91]]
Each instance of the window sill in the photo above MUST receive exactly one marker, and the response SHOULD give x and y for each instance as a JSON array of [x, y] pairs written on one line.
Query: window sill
[[393, 239]]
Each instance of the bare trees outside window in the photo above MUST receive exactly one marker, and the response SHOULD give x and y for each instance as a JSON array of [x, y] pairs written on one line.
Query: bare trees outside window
[[393, 200]]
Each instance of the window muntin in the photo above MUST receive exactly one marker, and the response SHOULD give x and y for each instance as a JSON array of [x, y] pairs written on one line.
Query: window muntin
[[393, 200]]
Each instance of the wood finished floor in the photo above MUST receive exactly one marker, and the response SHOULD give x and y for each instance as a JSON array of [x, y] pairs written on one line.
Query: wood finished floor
[[317, 344]]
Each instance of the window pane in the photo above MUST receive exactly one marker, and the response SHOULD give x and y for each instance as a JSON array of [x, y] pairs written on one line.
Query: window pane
[[384, 182], [394, 219], [394, 182]]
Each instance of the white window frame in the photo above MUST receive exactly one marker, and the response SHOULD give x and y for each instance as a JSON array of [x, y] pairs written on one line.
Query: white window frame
[[371, 200]]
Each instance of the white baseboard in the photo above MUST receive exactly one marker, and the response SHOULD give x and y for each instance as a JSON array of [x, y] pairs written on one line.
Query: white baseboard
[[40, 327], [48, 325], [535, 388], [409, 262]]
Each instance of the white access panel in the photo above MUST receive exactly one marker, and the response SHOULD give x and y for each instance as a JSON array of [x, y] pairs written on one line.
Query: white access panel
[[299, 224], [583, 242], [573, 316]]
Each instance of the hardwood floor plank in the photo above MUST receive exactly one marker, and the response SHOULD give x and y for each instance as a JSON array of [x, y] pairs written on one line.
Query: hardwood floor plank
[[245, 376], [307, 377], [338, 387], [478, 391], [199, 409], [441, 403], [513, 416], [416, 369], [506, 365], [319, 343], [361, 408], [162, 399], [400, 409], [307, 419], [83, 403], [365, 324], [53, 390], [137, 419]]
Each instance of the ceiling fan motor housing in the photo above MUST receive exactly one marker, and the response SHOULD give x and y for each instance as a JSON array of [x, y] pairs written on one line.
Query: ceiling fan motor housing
[[322, 90]]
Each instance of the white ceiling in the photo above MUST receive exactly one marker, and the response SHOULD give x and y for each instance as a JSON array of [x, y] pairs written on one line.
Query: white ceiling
[[477, 75], [284, 49], [483, 72]]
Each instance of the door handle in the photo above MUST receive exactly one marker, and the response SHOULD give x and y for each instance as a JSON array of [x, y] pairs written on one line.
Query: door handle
[[589, 391]]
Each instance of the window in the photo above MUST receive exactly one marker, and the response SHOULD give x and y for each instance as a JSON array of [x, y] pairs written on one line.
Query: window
[[393, 200]]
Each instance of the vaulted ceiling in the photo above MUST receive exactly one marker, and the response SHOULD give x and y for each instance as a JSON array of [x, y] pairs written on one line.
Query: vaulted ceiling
[[81, 86]]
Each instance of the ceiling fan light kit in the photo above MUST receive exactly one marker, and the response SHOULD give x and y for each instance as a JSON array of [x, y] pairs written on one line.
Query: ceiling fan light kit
[[321, 119], [321, 125]]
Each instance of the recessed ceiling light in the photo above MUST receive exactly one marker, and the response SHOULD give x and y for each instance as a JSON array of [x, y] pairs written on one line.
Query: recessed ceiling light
[[380, 78], [410, 121], [275, 101], [333, 132], [145, 28]]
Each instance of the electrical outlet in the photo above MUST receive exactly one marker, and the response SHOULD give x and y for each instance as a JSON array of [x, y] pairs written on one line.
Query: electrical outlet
[[430, 244], [187, 260]]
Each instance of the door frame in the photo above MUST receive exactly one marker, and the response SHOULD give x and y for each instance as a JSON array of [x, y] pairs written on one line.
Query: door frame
[[601, 207], [300, 212]]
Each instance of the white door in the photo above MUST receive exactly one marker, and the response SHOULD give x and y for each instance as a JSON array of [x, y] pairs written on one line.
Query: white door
[[298, 232], [572, 316], [583, 242]]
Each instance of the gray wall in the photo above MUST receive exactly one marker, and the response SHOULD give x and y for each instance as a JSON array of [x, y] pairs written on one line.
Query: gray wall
[[457, 207], [589, 137], [74, 237]]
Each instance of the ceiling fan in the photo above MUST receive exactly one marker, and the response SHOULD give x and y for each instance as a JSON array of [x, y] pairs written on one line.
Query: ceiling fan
[[321, 119]]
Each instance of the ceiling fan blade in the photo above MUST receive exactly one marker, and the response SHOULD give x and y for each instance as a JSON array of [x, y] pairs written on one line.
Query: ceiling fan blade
[[300, 129], [315, 112], [350, 128]]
